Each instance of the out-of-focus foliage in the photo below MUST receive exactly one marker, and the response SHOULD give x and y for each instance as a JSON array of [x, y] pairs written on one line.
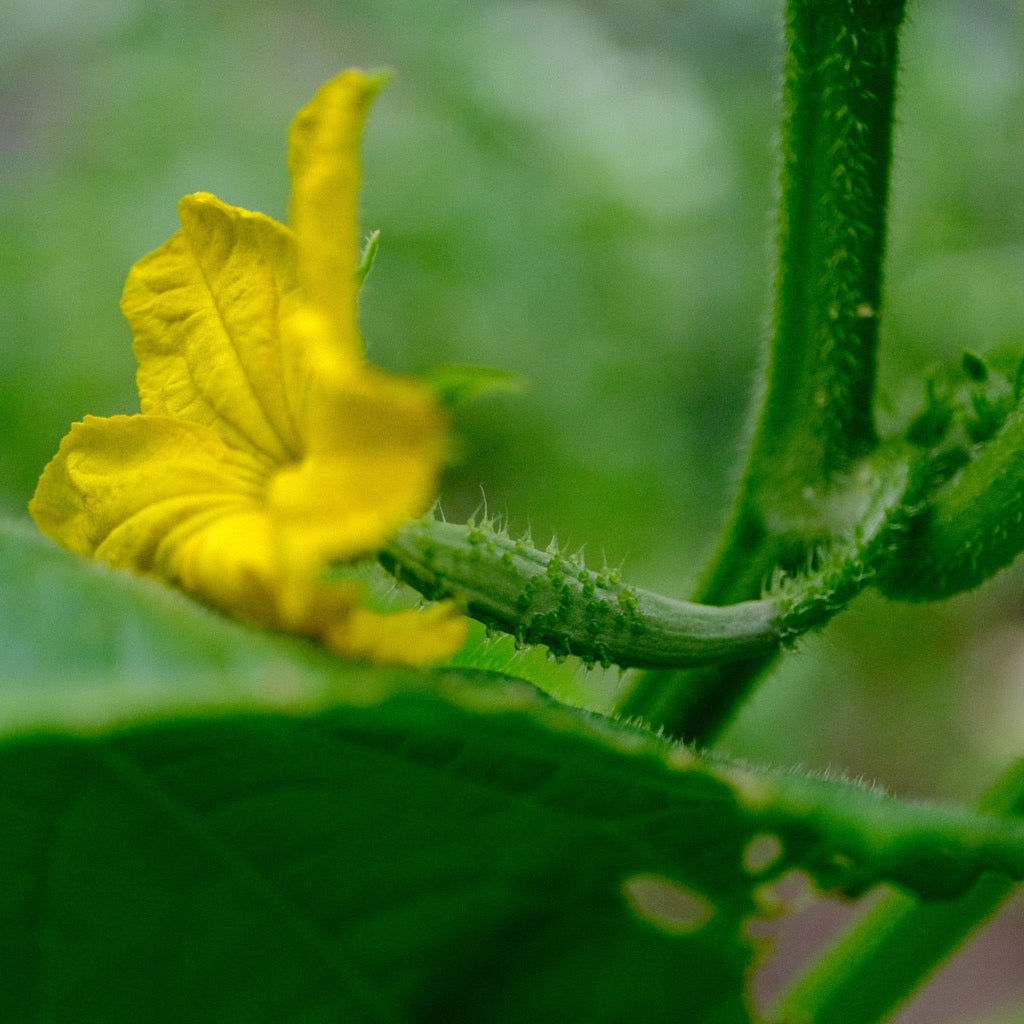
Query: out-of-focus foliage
[[576, 192]]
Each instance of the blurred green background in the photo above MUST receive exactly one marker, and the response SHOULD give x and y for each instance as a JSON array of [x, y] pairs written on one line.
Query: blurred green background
[[579, 192]]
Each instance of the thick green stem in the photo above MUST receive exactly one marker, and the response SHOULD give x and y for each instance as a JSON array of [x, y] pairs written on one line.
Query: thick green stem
[[887, 955], [816, 412]]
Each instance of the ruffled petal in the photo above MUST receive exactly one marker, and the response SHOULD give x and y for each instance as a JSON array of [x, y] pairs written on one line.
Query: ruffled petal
[[265, 449], [170, 499], [206, 310], [163, 497], [323, 157]]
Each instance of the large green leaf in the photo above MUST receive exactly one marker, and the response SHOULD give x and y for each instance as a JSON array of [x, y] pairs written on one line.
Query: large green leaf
[[203, 822]]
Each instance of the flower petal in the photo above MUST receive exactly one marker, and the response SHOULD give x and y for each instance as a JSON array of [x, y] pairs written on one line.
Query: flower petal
[[375, 448], [400, 638], [265, 448], [167, 498], [170, 499], [206, 309], [323, 157]]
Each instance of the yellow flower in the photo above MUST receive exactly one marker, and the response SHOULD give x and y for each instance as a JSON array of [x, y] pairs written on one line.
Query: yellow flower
[[265, 448]]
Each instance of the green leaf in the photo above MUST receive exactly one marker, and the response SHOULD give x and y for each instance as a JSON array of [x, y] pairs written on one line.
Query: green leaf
[[203, 822], [87, 647]]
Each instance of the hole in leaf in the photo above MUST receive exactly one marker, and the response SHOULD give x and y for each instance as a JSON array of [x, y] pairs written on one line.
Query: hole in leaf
[[761, 853], [667, 904]]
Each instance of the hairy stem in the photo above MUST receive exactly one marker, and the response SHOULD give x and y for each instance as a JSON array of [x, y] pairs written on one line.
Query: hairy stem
[[816, 412], [893, 949]]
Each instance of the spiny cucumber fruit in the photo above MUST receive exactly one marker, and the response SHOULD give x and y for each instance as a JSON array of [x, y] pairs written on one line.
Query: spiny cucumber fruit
[[550, 597]]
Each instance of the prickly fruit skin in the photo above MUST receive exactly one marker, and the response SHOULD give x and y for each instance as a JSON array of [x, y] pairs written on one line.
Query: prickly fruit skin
[[551, 597]]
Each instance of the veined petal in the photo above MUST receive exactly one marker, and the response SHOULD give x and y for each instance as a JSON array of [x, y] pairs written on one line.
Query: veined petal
[[136, 491], [375, 445], [265, 448], [171, 499], [206, 309], [323, 157]]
